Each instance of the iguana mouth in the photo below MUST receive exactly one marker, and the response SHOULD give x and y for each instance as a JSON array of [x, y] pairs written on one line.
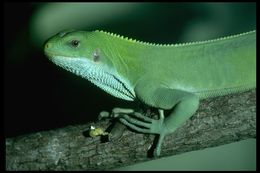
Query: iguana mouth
[[101, 76]]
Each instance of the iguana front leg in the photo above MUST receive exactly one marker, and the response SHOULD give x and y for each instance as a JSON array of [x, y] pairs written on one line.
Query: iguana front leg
[[183, 105]]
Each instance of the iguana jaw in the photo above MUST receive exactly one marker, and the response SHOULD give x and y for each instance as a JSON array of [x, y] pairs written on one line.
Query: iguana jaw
[[101, 76]]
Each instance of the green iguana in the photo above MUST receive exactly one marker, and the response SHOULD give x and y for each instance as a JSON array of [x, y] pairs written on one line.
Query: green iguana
[[167, 77]]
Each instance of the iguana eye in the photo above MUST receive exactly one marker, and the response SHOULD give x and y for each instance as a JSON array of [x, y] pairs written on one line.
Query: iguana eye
[[74, 43]]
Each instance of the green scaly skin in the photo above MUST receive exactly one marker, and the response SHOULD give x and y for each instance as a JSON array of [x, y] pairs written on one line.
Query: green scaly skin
[[168, 77]]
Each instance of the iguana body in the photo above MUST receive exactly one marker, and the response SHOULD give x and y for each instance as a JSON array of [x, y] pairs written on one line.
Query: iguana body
[[167, 77]]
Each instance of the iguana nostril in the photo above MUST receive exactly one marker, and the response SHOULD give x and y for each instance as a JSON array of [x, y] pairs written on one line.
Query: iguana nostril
[[48, 45]]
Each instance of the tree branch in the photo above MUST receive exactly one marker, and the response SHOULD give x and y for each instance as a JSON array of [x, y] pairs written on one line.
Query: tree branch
[[218, 121]]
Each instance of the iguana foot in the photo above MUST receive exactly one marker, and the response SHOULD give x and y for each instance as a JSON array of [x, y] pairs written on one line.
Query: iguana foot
[[144, 124], [140, 123]]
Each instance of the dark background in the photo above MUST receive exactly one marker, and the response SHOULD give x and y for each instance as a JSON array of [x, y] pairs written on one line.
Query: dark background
[[40, 96]]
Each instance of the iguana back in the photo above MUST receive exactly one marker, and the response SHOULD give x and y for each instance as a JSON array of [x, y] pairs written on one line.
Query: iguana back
[[207, 68]]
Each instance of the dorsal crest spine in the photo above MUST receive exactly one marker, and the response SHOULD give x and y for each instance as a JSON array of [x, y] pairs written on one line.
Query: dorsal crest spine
[[174, 45]]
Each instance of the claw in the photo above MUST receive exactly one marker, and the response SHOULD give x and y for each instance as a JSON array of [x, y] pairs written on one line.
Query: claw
[[103, 114], [156, 153]]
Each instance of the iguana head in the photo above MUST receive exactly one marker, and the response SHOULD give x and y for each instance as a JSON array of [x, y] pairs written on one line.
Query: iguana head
[[85, 54]]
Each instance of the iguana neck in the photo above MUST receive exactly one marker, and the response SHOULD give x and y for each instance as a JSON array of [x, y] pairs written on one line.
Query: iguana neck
[[107, 79]]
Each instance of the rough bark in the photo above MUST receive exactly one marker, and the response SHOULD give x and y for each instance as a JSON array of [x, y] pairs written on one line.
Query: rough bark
[[218, 121]]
